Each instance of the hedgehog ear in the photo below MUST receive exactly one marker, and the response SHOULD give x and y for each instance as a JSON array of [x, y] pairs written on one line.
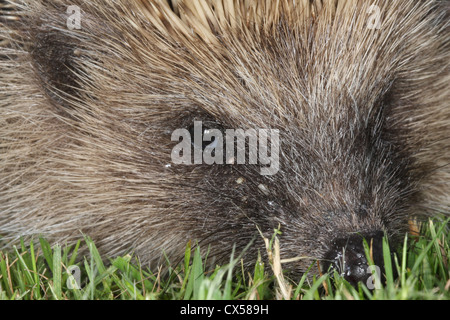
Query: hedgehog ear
[[54, 55]]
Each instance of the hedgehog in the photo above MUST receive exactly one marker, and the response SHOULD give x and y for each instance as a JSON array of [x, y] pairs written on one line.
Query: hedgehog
[[93, 91]]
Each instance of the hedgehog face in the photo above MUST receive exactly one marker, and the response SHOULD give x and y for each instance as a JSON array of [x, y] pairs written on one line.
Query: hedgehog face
[[333, 189]]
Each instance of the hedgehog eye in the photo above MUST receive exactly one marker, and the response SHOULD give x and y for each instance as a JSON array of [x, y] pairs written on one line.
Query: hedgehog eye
[[204, 130]]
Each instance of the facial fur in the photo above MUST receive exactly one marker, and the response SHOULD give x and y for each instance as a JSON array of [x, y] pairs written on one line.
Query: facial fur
[[86, 118]]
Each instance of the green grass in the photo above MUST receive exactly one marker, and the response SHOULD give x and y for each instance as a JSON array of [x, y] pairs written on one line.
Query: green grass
[[31, 272]]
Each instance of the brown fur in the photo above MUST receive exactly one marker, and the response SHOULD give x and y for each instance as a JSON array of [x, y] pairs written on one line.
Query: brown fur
[[86, 118]]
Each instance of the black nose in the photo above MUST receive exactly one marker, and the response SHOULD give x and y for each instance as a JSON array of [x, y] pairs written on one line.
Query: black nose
[[348, 257]]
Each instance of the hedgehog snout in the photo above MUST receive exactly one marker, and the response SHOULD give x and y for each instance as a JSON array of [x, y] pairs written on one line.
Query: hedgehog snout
[[348, 257]]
